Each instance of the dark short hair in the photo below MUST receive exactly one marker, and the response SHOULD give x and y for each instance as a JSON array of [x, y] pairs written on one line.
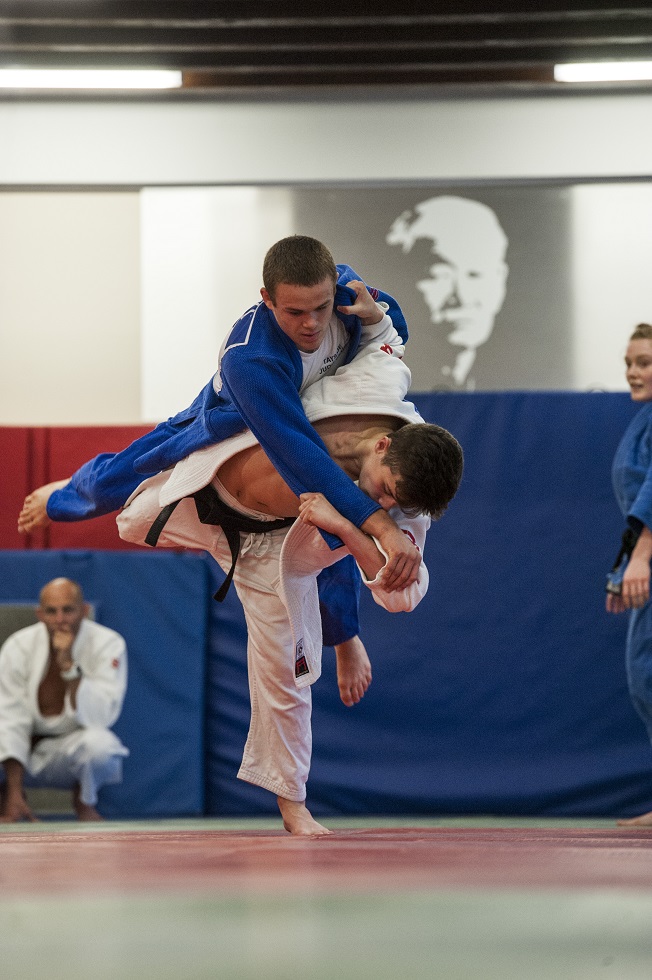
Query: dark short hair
[[642, 332], [298, 261], [429, 463]]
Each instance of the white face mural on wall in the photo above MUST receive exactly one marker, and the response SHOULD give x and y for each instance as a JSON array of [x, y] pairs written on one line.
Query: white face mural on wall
[[465, 281]]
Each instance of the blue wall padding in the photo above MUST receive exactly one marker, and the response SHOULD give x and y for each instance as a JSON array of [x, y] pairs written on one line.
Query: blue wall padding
[[158, 601], [504, 692]]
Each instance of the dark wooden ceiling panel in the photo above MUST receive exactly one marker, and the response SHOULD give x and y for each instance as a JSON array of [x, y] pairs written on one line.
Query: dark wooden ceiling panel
[[274, 44]]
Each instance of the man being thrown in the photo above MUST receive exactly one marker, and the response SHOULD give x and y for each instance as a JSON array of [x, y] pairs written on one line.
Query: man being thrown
[[405, 465], [313, 317]]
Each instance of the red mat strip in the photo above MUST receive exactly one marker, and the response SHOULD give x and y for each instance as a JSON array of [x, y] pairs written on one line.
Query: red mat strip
[[348, 861]]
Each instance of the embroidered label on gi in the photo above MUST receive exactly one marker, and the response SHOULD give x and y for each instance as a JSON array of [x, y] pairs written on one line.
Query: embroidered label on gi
[[300, 662]]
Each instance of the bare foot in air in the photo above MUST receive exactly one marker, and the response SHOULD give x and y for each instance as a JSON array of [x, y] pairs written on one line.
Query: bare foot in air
[[34, 513], [298, 820], [353, 670], [645, 820]]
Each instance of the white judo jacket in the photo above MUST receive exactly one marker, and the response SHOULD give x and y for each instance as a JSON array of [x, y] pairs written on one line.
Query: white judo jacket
[[100, 653]]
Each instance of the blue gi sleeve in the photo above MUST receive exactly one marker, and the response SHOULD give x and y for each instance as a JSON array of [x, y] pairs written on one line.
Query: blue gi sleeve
[[641, 509], [632, 470]]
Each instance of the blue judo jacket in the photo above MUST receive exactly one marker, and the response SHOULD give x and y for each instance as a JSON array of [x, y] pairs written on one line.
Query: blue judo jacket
[[631, 471]]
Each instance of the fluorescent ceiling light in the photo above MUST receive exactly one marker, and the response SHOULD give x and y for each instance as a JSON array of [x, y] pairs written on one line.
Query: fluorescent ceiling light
[[605, 71], [45, 78]]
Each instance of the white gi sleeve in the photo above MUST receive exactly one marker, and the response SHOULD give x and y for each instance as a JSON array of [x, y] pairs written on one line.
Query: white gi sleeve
[[383, 332], [103, 660], [403, 600], [15, 714]]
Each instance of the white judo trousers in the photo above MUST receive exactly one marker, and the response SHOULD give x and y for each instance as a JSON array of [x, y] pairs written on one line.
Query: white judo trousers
[[279, 744], [276, 572], [90, 758]]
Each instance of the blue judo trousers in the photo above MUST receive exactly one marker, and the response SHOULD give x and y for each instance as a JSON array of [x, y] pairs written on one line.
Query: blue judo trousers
[[632, 482]]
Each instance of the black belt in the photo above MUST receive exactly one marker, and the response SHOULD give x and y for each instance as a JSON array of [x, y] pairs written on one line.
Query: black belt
[[212, 510]]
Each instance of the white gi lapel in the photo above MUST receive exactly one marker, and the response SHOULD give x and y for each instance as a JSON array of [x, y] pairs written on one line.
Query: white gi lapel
[[198, 469], [41, 652]]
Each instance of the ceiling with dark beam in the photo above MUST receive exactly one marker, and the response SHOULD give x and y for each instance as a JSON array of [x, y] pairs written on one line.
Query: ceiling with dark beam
[[230, 45]]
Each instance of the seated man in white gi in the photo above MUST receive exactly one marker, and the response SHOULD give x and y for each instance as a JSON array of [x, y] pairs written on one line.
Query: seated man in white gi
[[62, 685], [275, 575]]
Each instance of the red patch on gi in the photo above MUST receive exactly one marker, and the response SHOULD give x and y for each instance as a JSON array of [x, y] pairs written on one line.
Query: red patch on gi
[[411, 537], [300, 662]]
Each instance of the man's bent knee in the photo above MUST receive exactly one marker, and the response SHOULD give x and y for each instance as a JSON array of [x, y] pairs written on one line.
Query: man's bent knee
[[97, 745]]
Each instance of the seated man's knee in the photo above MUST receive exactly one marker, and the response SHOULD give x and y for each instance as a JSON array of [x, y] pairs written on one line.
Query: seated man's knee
[[98, 744]]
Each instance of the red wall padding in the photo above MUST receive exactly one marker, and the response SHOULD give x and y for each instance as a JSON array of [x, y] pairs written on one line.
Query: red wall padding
[[32, 457]]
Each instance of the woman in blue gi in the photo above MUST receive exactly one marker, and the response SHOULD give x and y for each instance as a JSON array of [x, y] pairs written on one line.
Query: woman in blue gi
[[632, 481]]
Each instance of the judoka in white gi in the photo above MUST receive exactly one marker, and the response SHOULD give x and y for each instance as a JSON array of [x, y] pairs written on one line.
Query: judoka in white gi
[[358, 413], [62, 685]]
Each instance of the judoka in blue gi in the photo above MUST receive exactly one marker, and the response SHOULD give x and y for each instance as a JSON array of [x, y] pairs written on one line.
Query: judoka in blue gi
[[632, 481], [313, 317]]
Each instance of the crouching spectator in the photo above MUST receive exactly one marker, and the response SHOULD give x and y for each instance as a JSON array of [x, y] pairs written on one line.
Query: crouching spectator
[[62, 685]]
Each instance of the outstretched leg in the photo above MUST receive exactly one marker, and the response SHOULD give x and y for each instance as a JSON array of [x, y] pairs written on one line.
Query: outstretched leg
[[298, 820], [34, 511], [353, 670]]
